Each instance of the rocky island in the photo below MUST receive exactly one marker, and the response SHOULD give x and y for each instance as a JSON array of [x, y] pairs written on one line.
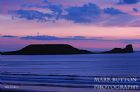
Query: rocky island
[[61, 49], [47, 49], [127, 49]]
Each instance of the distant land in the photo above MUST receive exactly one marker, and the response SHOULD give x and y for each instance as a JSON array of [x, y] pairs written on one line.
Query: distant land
[[61, 49], [127, 49]]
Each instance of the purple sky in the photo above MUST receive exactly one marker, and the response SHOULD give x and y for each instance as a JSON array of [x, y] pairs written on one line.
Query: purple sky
[[92, 24]]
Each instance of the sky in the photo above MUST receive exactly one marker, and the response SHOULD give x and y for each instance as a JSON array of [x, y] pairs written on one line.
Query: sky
[[86, 24]]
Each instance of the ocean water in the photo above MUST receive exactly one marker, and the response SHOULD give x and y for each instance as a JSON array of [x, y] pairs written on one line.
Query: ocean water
[[65, 70], [92, 64]]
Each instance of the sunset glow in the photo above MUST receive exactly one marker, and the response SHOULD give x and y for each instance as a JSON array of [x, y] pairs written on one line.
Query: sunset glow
[[111, 22]]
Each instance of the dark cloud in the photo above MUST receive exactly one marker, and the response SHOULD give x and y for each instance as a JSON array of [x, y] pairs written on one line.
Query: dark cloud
[[40, 38], [56, 9], [31, 15], [128, 1], [8, 36], [113, 11], [128, 41], [44, 37], [98, 39], [83, 14], [45, 1], [77, 38], [48, 38], [52, 38], [135, 9], [87, 13]]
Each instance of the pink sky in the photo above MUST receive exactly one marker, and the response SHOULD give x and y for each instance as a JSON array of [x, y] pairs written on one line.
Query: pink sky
[[24, 28], [107, 26]]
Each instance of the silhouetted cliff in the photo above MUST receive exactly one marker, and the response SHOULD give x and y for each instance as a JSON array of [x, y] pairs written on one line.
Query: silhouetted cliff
[[61, 49], [127, 49], [48, 49]]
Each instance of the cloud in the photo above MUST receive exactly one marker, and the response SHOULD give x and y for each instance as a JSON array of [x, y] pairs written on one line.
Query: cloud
[[88, 13], [83, 14], [40, 38], [79, 14], [55, 38], [45, 1], [31, 15], [119, 20], [8, 36], [113, 11], [129, 1], [44, 37], [130, 41], [135, 10], [56, 9], [77, 38]]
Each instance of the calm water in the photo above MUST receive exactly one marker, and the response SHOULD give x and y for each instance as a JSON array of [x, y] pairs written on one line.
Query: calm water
[[55, 69], [103, 64]]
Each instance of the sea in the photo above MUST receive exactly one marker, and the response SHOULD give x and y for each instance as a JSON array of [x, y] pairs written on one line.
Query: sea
[[66, 73]]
